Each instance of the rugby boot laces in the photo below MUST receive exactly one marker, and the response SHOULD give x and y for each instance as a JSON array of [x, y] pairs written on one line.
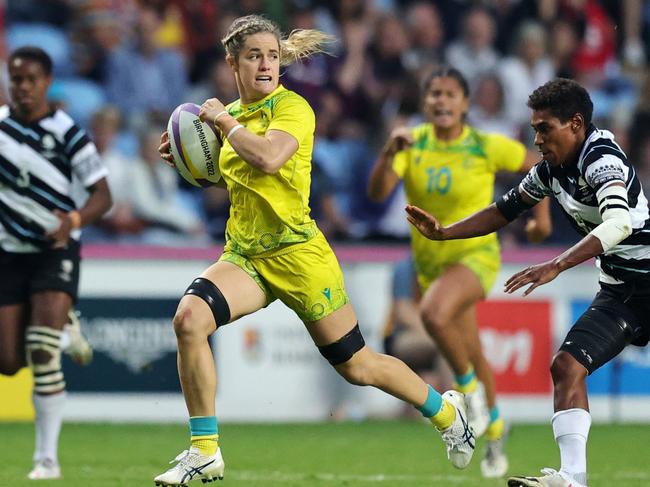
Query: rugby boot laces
[[190, 466], [459, 437]]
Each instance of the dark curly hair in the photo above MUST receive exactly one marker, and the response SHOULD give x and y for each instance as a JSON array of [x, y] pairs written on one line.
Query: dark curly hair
[[563, 98], [33, 53]]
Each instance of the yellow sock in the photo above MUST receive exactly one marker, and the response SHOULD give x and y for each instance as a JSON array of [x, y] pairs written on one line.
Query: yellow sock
[[207, 445], [445, 417], [467, 382], [467, 388], [495, 429]]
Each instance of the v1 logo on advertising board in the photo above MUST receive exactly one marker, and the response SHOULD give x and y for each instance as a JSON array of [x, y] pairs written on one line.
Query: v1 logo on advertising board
[[517, 342]]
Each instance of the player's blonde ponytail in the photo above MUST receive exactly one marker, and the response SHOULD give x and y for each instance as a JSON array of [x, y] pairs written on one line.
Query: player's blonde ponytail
[[299, 45]]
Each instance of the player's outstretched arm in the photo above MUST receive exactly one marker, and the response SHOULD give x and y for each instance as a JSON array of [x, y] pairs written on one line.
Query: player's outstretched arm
[[539, 274], [485, 221], [615, 228]]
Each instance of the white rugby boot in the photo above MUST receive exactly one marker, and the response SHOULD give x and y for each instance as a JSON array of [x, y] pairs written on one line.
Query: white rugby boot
[[193, 466], [495, 462], [45, 470], [551, 478], [459, 437], [478, 413], [79, 349]]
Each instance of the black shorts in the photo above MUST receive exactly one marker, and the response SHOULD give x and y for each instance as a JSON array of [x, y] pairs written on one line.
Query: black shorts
[[24, 274], [618, 316]]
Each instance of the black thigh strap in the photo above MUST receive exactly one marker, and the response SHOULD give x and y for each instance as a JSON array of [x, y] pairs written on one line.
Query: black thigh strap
[[343, 349], [208, 292], [597, 337]]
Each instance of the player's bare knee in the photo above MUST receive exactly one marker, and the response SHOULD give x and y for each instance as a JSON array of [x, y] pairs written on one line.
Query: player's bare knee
[[434, 318], [186, 325], [565, 367]]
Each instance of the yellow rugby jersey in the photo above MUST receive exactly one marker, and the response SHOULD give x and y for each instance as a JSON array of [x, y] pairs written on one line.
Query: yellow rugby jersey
[[451, 180], [269, 210]]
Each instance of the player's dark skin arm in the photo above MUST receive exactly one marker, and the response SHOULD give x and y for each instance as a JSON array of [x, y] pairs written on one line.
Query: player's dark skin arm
[[491, 219], [539, 274], [98, 203], [587, 248], [483, 222]]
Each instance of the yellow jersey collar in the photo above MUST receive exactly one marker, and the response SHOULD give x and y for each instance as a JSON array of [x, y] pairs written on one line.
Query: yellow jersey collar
[[279, 89], [463, 135]]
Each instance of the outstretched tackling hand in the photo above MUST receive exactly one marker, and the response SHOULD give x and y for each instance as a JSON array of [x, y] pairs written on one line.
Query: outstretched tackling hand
[[426, 223], [536, 275]]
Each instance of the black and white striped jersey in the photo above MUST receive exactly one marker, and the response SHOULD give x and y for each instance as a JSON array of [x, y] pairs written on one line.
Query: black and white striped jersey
[[38, 162], [575, 187]]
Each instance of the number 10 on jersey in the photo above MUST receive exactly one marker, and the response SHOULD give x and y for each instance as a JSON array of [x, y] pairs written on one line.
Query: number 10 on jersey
[[438, 180]]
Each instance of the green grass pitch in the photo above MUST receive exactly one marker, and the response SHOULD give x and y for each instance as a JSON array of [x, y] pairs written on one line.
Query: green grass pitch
[[392, 453]]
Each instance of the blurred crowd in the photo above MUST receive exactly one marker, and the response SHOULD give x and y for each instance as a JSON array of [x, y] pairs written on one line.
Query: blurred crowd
[[121, 66]]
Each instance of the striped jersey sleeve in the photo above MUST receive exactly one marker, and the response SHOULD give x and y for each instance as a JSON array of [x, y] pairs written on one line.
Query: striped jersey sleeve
[[84, 159], [602, 163], [537, 183]]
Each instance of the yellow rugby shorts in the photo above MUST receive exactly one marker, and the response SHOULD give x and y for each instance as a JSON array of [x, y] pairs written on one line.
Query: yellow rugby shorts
[[484, 261], [304, 276]]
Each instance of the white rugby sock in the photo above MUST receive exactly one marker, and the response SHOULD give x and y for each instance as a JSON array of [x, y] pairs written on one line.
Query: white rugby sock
[[49, 416], [571, 430]]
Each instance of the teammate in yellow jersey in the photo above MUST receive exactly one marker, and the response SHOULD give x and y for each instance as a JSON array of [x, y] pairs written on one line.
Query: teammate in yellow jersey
[[448, 168], [274, 250]]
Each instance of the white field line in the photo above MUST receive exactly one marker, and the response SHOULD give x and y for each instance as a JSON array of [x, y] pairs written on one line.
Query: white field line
[[629, 476], [253, 475], [277, 476]]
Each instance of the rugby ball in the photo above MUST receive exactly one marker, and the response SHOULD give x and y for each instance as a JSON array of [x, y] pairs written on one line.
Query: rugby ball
[[195, 146]]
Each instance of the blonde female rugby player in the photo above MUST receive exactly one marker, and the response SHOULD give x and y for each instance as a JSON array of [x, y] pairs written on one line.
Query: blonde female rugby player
[[448, 168], [274, 250]]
